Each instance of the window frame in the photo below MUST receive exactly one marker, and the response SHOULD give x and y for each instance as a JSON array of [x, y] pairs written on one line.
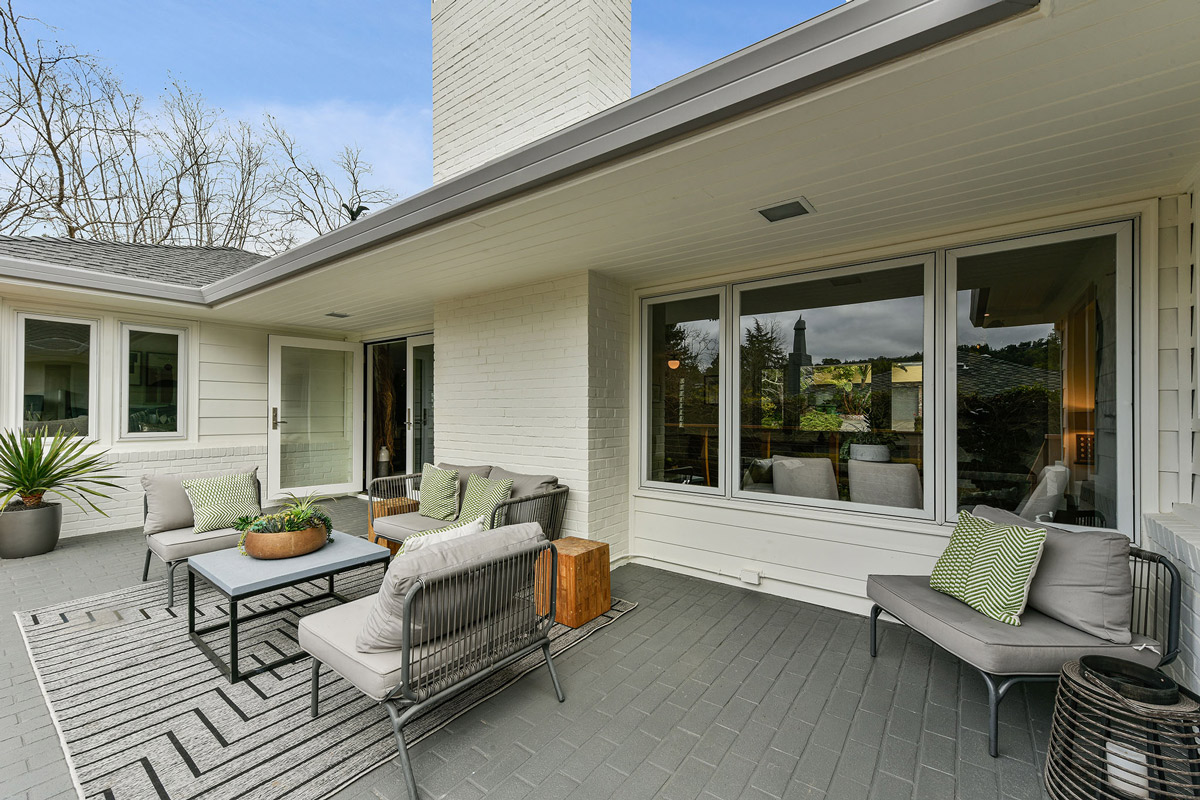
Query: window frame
[[93, 367], [930, 450], [645, 382], [182, 383], [1128, 503]]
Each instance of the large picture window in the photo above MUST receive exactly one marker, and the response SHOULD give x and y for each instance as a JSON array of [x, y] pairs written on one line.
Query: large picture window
[[998, 374], [57, 374], [1041, 364], [832, 387], [683, 411], [154, 382]]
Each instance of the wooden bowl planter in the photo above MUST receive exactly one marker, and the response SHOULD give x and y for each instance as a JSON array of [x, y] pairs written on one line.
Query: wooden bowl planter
[[284, 544]]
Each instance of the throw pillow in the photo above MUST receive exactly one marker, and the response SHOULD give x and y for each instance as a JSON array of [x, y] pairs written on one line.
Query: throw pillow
[[481, 497], [220, 501], [422, 539], [439, 493], [1083, 579], [989, 567], [383, 629]]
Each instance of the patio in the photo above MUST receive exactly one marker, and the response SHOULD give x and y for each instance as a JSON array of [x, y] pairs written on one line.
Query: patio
[[703, 691]]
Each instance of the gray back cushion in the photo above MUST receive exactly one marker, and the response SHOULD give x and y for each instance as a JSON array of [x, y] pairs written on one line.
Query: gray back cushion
[[167, 505], [464, 475], [805, 477], [383, 629], [524, 485], [1083, 579], [885, 484]]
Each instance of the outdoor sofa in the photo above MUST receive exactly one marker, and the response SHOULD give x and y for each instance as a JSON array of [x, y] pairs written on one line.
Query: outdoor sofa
[[446, 617], [392, 502], [1117, 600], [169, 525]]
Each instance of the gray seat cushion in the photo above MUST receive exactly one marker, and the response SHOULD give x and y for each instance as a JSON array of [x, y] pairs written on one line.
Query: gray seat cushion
[[383, 628], [167, 505], [524, 485], [185, 543], [399, 526], [885, 484], [1039, 646], [328, 636], [1083, 578]]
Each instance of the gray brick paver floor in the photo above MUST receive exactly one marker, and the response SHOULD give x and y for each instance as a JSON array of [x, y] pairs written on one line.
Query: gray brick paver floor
[[705, 690]]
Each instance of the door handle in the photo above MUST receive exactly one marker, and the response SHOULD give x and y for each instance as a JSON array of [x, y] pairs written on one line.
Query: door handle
[[408, 421], [275, 420]]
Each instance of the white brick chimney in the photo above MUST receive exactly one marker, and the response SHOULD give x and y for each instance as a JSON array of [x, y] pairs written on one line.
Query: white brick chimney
[[508, 72]]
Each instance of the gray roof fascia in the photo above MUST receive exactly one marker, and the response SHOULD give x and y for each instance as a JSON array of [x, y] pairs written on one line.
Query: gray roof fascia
[[76, 277], [835, 45]]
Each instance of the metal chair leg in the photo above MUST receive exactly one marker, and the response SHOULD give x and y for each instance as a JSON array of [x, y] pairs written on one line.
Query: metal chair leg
[[146, 567], [398, 720], [875, 612], [553, 675], [316, 686], [171, 582]]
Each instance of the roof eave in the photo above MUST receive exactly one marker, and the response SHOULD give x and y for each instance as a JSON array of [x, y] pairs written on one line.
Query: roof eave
[[78, 278]]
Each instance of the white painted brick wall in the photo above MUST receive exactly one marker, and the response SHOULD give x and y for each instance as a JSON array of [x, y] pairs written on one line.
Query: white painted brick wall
[[508, 73], [534, 379], [125, 508], [1178, 537]]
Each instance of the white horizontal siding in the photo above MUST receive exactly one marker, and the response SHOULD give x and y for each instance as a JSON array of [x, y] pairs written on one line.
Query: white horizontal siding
[[233, 384]]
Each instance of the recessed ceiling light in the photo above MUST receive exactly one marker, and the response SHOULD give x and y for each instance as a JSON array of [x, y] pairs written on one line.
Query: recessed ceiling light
[[788, 209], [337, 314]]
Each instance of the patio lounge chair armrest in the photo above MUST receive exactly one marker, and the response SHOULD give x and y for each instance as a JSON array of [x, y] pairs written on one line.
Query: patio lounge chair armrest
[[393, 487], [1150, 569], [546, 508]]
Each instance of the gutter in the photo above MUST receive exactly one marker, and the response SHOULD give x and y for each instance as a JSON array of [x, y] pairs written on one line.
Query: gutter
[[78, 278]]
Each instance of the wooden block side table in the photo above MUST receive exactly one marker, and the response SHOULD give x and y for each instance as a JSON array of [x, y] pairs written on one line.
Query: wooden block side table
[[387, 507], [584, 584]]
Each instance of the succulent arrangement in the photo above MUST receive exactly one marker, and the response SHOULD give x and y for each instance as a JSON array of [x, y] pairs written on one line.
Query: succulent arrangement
[[298, 514]]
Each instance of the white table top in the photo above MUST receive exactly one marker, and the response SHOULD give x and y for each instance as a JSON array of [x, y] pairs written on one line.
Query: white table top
[[237, 575]]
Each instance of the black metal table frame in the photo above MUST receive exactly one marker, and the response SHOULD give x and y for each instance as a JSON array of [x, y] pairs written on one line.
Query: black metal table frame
[[230, 670]]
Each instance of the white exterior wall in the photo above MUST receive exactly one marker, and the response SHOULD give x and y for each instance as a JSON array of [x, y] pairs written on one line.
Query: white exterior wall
[[532, 379], [225, 400], [506, 74]]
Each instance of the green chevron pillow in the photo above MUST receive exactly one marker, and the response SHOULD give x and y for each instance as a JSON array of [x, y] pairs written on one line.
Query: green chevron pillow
[[220, 501], [989, 566], [481, 497], [439, 493]]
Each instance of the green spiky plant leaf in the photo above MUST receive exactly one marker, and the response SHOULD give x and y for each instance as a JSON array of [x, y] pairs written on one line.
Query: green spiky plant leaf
[[36, 464]]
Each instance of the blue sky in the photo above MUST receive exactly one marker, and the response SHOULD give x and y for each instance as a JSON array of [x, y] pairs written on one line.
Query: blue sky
[[359, 72]]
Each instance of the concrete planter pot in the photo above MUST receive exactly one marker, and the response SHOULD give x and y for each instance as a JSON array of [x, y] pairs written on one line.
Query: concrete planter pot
[[870, 452], [28, 532]]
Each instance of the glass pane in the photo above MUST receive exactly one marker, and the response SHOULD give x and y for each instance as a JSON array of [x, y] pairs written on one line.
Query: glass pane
[[389, 390], [153, 382], [422, 410], [1037, 381], [685, 391], [316, 416], [57, 375], [832, 388]]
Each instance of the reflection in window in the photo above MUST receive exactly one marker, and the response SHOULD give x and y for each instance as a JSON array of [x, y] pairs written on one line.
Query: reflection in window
[[832, 388], [154, 375], [685, 392], [55, 393], [1036, 381]]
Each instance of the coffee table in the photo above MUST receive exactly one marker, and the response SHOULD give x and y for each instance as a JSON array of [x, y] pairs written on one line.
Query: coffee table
[[240, 577]]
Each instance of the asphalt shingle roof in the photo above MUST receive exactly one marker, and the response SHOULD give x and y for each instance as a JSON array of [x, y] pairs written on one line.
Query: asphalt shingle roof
[[166, 263]]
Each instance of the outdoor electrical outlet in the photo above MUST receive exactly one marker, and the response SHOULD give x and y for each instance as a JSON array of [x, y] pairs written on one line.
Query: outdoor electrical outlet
[[751, 576]]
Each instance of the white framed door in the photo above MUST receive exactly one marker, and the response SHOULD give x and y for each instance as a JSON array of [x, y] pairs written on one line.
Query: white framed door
[[418, 425], [315, 427]]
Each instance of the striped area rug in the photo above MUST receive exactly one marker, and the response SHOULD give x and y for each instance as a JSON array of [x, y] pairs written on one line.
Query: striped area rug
[[143, 714]]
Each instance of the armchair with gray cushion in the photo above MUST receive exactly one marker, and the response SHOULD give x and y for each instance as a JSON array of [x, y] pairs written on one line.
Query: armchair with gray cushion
[[393, 501], [446, 617], [1092, 594], [885, 484], [170, 528]]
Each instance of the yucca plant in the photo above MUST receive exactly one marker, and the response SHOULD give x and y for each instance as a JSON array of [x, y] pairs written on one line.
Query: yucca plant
[[35, 464]]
